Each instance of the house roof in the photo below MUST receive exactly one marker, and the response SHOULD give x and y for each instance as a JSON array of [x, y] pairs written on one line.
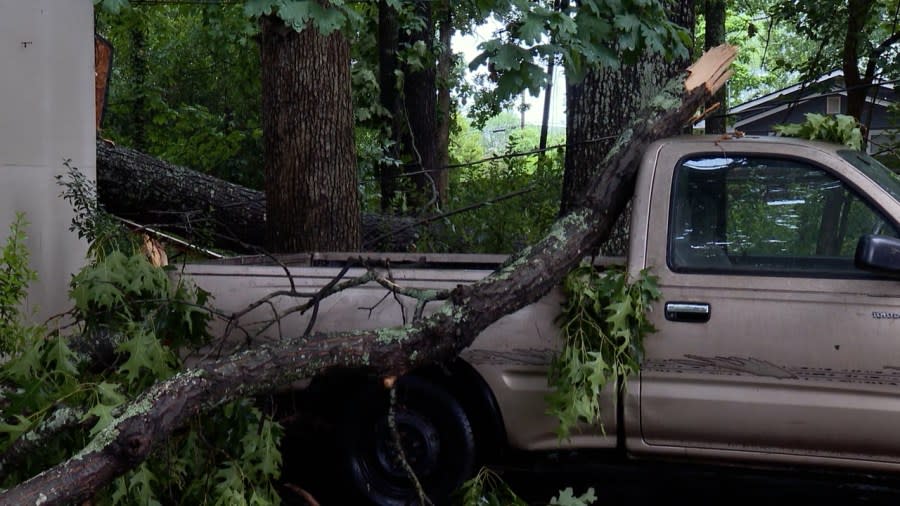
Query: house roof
[[780, 100]]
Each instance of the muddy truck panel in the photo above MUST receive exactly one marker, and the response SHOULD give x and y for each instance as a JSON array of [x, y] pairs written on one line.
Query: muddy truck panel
[[772, 346]]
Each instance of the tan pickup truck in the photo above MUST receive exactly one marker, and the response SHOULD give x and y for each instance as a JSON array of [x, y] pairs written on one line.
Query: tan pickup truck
[[777, 343]]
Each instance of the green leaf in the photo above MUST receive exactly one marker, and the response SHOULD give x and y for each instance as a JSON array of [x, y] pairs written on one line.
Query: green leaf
[[145, 353], [14, 430], [531, 30], [63, 360], [627, 22], [327, 19], [295, 13], [255, 8], [141, 485], [113, 6], [108, 399], [567, 497], [603, 322], [837, 129]]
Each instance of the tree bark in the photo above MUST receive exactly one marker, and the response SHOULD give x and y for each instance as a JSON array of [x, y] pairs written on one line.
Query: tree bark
[[310, 155], [444, 114], [528, 275], [614, 95], [857, 15], [420, 113], [414, 120], [548, 95], [391, 100], [714, 11], [139, 67], [152, 192]]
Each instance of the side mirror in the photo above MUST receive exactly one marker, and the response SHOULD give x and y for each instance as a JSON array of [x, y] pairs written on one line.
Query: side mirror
[[878, 253]]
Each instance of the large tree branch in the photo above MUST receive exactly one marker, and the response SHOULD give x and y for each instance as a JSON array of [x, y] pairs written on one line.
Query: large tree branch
[[527, 276], [876, 53]]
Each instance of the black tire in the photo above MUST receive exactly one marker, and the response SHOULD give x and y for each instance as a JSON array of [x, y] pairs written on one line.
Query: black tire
[[436, 436]]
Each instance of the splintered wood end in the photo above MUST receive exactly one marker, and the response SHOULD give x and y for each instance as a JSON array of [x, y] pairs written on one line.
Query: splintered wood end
[[711, 69]]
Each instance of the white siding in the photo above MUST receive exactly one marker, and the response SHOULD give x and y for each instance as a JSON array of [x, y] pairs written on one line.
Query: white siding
[[46, 117]]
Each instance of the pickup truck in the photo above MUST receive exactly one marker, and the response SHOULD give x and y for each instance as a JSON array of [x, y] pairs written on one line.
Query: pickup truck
[[777, 336]]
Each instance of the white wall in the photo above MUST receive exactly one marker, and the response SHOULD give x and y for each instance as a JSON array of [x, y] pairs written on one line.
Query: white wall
[[46, 117]]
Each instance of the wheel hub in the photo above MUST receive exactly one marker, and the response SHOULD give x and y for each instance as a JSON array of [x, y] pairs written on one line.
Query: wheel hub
[[419, 438]]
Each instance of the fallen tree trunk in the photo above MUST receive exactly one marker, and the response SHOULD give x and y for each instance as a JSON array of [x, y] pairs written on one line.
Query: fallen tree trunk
[[527, 276], [150, 191]]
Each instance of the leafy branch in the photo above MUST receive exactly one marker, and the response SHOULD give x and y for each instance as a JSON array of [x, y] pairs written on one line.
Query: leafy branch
[[604, 322], [837, 129]]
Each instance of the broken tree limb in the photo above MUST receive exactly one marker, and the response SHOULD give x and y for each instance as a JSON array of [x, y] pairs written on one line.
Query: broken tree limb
[[138, 187], [523, 279]]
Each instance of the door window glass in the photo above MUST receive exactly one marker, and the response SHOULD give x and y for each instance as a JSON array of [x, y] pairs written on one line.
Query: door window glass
[[763, 215]]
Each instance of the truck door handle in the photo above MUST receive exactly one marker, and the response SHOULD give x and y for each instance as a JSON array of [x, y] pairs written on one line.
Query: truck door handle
[[693, 312]]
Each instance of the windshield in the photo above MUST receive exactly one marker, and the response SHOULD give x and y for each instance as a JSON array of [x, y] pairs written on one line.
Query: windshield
[[872, 168]]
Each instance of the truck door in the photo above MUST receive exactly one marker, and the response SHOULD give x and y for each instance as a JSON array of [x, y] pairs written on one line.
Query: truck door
[[769, 343]]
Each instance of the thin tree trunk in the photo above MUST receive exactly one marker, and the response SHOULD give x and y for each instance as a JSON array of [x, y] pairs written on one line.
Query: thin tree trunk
[[548, 94], [445, 59], [420, 111], [310, 155], [858, 13], [715, 34], [139, 68], [391, 99]]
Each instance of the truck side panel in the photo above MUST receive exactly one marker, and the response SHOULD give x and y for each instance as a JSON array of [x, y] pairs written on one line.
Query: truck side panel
[[512, 355], [792, 363]]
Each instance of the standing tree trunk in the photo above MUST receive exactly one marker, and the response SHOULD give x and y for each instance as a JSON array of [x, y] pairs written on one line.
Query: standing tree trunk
[[420, 112], [445, 60], [388, 44], [714, 11], [414, 120], [139, 68], [598, 108], [310, 155], [858, 13], [548, 93]]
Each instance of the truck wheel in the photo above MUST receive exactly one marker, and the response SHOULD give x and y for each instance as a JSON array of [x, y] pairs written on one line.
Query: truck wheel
[[435, 434]]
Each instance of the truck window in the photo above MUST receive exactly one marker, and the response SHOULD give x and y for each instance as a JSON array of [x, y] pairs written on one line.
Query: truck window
[[766, 216]]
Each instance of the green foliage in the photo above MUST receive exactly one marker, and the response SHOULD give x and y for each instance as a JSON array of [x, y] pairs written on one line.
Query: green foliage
[[15, 276], [122, 289], [567, 497], [837, 129], [487, 489], [603, 324], [765, 46], [582, 35], [825, 23], [185, 86], [508, 225], [324, 17], [90, 221], [113, 6], [147, 322]]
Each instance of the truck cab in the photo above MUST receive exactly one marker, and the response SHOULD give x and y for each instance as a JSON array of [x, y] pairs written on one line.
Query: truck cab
[[775, 343]]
